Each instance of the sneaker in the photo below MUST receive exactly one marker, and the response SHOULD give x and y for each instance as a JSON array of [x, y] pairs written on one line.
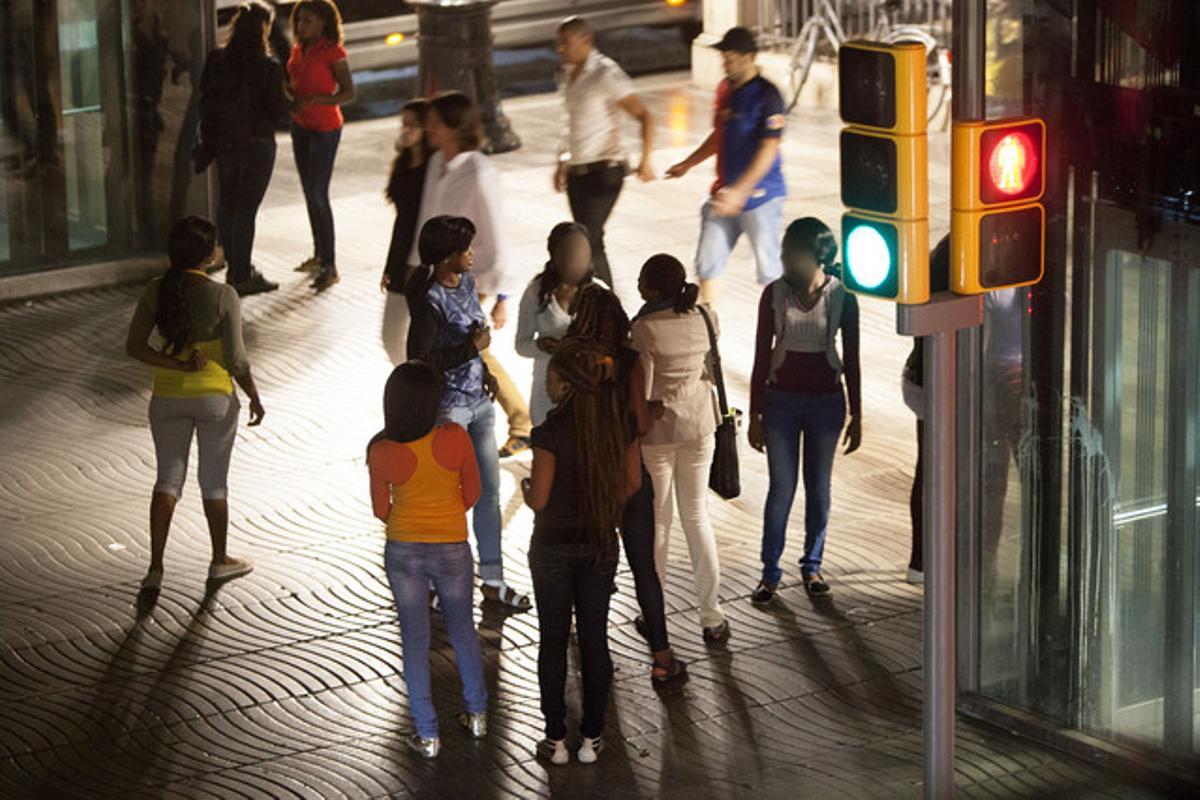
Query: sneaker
[[232, 568], [310, 265], [590, 750], [764, 593], [815, 585], [717, 633], [326, 277], [515, 446], [255, 284], [475, 723], [428, 748], [153, 580], [916, 577], [554, 750]]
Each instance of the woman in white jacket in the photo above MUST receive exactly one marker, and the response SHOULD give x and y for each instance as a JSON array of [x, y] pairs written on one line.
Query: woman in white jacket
[[545, 310], [672, 339]]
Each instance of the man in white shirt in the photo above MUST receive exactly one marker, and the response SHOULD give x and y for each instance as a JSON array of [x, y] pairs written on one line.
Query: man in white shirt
[[591, 159]]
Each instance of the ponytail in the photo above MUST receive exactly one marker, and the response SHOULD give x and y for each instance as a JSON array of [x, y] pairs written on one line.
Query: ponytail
[[685, 301], [666, 276], [190, 242]]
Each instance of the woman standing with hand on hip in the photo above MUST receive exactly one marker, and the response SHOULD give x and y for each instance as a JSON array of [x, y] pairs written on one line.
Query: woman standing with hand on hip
[[321, 83], [796, 396], [200, 323]]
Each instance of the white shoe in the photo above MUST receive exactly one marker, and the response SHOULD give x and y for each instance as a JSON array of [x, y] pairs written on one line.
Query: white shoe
[[916, 577], [232, 568], [590, 750], [555, 750], [153, 580]]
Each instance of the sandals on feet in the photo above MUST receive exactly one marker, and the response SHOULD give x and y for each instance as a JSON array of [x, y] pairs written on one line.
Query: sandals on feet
[[507, 597], [514, 445], [665, 675]]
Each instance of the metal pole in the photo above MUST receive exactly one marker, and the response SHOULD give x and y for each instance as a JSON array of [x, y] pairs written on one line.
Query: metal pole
[[939, 669]]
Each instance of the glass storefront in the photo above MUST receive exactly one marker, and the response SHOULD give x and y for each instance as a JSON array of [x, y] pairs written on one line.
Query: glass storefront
[[1087, 570], [97, 121]]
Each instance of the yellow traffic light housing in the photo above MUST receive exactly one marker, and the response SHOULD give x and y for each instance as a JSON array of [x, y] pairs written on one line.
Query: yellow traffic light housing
[[884, 172], [997, 226]]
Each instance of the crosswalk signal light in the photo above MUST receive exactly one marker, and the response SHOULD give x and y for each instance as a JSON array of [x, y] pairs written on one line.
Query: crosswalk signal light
[[884, 183], [998, 223]]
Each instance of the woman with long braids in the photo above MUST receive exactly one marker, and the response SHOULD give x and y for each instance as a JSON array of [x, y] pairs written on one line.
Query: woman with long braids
[[672, 337], [200, 324], [599, 317], [586, 465]]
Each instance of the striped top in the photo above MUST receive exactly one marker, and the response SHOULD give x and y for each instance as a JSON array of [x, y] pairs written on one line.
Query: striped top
[[422, 489]]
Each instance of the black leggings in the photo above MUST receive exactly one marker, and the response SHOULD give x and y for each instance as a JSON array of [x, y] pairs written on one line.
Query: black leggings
[[637, 534]]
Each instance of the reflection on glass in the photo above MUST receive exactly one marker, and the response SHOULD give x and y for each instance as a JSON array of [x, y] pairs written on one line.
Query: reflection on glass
[[83, 125]]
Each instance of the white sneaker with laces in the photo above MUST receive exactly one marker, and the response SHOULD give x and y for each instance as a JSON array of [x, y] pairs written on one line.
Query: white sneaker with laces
[[232, 568], [555, 750]]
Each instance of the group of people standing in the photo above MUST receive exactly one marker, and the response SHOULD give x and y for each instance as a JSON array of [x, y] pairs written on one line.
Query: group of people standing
[[623, 413]]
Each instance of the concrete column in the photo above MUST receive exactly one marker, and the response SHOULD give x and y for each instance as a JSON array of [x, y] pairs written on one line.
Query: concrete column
[[718, 16]]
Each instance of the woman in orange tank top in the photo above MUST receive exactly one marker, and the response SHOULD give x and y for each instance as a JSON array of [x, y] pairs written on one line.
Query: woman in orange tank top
[[424, 478]]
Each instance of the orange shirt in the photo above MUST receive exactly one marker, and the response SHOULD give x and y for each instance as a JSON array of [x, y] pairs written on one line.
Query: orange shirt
[[422, 489], [311, 73]]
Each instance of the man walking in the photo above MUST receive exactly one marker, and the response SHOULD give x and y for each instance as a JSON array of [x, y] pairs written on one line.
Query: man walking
[[748, 193], [591, 159]]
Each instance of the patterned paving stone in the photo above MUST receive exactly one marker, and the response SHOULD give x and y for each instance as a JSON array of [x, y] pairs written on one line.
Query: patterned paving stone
[[288, 683]]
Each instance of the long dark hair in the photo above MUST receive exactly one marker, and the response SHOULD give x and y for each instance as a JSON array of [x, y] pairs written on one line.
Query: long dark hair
[[664, 274], [600, 318], [460, 114], [549, 278], [440, 238], [247, 33], [327, 10], [410, 158], [602, 436], [810, 235], [411, 400], [190, 242]]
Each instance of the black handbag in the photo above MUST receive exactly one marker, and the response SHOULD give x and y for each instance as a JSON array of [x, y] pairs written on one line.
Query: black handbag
[[724, 477]]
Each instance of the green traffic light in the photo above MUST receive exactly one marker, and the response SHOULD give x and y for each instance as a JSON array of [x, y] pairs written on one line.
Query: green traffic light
[[868, 258]]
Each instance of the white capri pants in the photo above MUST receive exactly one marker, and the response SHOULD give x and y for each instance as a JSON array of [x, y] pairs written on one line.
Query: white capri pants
[[213, 420]]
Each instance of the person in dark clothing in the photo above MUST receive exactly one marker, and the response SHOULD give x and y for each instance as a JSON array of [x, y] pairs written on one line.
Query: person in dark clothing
[[586, 466], [241, 97], [404, 188], [797, 395], [599, 317]]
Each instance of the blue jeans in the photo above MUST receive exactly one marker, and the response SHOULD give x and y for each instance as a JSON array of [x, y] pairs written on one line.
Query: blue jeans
[[243, 174], [788, 419], [718, 235], [411, 568], [314, 152], [480, 423]]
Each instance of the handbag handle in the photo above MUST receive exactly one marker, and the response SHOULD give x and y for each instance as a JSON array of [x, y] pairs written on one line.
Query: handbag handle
[[715, 355]]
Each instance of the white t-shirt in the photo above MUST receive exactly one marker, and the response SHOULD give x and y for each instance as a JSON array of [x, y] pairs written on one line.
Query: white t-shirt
[[593, 127]]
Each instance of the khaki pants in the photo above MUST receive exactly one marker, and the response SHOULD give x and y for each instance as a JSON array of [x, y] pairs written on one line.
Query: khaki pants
[[510, 399]]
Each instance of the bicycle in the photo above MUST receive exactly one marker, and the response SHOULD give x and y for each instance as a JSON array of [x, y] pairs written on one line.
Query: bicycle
[[826, 23]]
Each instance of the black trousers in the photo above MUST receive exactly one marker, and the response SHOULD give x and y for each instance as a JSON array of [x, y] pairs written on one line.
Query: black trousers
[[567, 578], [592, 197], [243, 174], [637, 534], [916, 504]]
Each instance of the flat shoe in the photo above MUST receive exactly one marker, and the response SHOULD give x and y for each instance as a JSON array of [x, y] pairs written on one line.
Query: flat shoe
[[232, 568]]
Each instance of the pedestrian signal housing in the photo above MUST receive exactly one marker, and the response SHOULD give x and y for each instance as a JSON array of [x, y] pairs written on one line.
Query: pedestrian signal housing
[[997, 230], [884, 172]]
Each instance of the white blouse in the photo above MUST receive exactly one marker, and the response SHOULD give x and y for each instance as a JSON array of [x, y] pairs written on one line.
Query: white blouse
[[674, 351]]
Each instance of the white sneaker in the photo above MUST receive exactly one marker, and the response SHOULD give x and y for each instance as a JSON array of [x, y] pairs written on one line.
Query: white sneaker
[[916, 577], [555, 750], [232, 568], [590, 750]]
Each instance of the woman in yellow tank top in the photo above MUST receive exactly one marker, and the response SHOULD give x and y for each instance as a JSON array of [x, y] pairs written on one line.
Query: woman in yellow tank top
[[189, 329], [424, 478]]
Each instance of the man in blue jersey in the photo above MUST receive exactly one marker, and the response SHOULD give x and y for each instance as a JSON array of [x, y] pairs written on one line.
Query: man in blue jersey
[[748, 193]]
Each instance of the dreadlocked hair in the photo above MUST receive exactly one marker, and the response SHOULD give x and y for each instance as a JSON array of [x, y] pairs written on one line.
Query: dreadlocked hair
[[600, 318], [190, 242], [598, 410], [549, 279]]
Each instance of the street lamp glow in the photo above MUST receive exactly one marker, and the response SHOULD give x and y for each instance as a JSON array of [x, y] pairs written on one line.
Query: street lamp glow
[[868, 257]]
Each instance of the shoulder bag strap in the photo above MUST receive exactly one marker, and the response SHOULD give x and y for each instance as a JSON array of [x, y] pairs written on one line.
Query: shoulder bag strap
[[715, 355]]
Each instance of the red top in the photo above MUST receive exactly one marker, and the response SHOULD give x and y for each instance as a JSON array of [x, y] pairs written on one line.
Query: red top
[[311, 73]]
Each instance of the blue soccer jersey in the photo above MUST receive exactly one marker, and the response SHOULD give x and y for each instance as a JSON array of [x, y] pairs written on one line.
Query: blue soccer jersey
[[743, 117]]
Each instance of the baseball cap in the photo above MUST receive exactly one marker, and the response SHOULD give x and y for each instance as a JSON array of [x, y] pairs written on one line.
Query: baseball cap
[[739, 40]]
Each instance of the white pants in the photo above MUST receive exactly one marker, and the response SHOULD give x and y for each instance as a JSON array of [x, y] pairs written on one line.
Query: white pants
[[679, 473], [395, 328]]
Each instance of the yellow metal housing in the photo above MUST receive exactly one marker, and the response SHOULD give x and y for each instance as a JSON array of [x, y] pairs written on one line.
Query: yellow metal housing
[[912, 173], [912, 256], [966, 155], [910, 88], [965, 277]]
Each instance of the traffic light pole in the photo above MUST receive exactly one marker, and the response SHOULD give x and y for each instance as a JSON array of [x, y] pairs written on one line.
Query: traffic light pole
[[939, 321]]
